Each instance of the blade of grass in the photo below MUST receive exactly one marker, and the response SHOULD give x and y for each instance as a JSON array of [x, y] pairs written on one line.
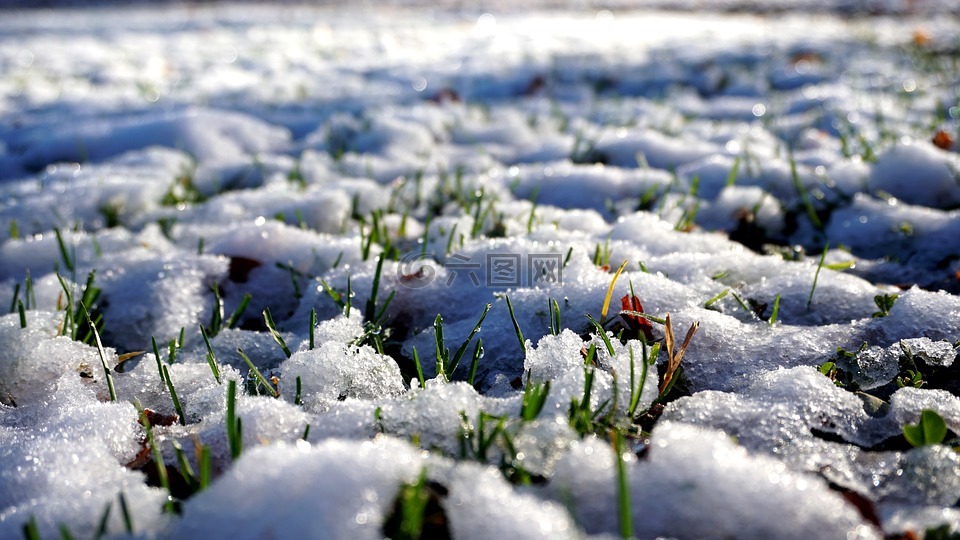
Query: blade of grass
[[719, 296], [623, 488], [804, 195], [553, 307], [16, 298], [776, 309], [68, 261], [416, 360], [173, 395], [103, 355], [256, 372], [125, 512], [211, 356], [237, 313], [463, 347], [157, 458], [516, 327], [203, 458], [637, 391], [186, 470], [234, 427], [272, 327], [606, 298], [371, 307], [475, 361], [31, 531], [602, 334], [216, 318], [816, 275]]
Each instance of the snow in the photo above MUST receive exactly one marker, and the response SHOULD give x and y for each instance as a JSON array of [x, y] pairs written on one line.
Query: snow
[[377, 168]]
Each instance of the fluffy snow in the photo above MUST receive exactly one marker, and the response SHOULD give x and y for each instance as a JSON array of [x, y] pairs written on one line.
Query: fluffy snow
[[786, 182]]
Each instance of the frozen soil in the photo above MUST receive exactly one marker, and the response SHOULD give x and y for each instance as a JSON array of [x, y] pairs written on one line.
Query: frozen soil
[[340, 194]]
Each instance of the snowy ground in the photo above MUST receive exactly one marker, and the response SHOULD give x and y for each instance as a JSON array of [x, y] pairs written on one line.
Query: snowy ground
[[789, 183]]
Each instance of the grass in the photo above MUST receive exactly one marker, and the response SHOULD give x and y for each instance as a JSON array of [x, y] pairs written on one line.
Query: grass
[[776, 310], [75, 325], [516, 327], [103, 356], [258, 375], [534, 398], [211, 356], [447, 365], [804, 195], [164, 478], [609, 295], [623, 488], [486, 437], [165, 378], [816, 275], [277, 336], [411, 506], [234, 424]]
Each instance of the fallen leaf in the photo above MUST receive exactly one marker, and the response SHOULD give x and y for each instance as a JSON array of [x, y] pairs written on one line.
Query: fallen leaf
[[942, 140]]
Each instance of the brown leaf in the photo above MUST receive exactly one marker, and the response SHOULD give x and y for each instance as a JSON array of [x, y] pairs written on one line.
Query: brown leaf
[[942, 140], [158, 419], [127, 356], [675, 357]]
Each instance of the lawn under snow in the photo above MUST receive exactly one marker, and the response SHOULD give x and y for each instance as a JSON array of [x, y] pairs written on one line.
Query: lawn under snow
[[772, 178]]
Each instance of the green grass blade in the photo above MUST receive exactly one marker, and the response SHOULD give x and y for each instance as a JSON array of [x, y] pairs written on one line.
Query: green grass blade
[[234, 427], [603, 335], [475, 361], [125, 512], [463, 347], [776, 310], [516, 328], [268, 318], [256, 373], [157, 458], [623, 489], [416, 360], [816, 275], [173, 395], [237, 313], [103, 355], [211, 356], [31, 531]]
